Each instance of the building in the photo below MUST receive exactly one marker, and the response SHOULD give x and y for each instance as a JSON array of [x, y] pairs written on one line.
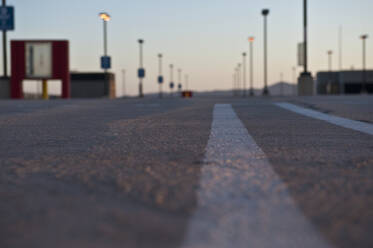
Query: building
[[343, 82], [92, 85]]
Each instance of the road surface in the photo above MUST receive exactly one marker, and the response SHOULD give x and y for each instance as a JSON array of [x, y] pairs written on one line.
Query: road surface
[[206, 172]]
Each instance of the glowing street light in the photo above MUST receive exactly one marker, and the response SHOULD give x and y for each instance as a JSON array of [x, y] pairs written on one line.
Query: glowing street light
[[105, 16]]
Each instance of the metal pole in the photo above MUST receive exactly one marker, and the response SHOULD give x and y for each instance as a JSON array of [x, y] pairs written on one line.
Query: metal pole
[[5, 52], [105, 41], [160, 74], [180, 83], [364, 86], [141, 62], [340, 48], [305, 37], [281, 84], [172, 73], [171, 77], [330, 61], [235, 81], [160, 64], [124, 82], [265, 57], [105, 38], [330, 71], [238, 79], [244, 74], [251, 68], [265, 90], [141, 94], [294, 69]]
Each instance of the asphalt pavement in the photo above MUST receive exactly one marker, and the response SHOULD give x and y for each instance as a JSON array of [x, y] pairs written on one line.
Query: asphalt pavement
[[203, 172]]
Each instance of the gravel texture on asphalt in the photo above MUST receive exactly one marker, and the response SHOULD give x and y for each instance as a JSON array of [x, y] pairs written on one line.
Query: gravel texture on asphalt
[[125, 173], [328, 169], [101, 173]]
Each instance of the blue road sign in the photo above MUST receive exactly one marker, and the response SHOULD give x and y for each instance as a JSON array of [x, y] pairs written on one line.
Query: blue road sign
[[141, 73], [6, 18], [160, 79], [105, 62]]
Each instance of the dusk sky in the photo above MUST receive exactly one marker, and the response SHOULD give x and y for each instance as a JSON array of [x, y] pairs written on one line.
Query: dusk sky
[[204, 38]]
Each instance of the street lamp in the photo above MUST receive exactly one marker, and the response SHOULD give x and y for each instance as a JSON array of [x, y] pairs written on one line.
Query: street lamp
[[172, 84], [5, 52], [124, 82], [244, 73], [306, 83], [294, 69], [265, 13], [251, 40], [364, 86], [238, 79], [329, 86], [282, 84], [105, 60], [233, 83], [180, 86], [141, 71], [160, 78]]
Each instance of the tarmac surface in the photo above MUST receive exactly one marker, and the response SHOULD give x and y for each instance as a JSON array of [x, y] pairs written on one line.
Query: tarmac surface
[[129, 172]]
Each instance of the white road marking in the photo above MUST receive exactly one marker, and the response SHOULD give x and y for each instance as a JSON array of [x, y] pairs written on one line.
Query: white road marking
[[242, 202], [339, 121]]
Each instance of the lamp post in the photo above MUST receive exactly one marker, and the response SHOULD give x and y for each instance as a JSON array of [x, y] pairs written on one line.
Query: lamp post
[[233, 83], [330, 57], [5, 52], [364, 75], [305, 34], [179, 86], [238, 79], [251, 40], [282, 84], [244, 74], [306, 83], [141, 71], [124, 82], [160, 78], [105, 60], [265, 13], [172, 84], [294, 69]]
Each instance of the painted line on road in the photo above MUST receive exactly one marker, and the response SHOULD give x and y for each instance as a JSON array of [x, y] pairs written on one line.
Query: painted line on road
[[339, 121], [242, 202]]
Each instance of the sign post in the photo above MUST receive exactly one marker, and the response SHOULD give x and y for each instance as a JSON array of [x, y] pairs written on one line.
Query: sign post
[[6, 24]]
